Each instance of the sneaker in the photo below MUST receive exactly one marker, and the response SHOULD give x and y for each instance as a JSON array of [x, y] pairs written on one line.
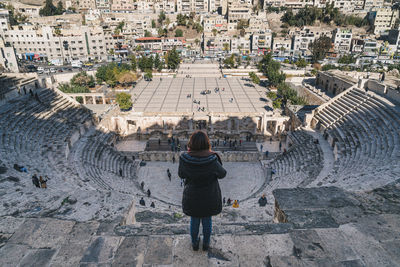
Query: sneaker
[[205, 247], [195, 245]]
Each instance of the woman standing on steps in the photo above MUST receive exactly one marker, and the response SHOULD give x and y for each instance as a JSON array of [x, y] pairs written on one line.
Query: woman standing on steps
[[201, 168]]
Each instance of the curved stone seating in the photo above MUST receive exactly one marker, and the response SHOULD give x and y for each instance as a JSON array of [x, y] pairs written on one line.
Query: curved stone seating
[[100, 163], [300, 165], [365, 129]]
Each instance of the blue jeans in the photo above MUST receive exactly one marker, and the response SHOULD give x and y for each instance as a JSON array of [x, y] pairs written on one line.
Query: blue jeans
[[194, 229]]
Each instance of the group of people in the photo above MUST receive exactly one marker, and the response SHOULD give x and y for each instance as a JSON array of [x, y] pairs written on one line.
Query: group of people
[[40, 182], [148, 190], [143, 203], [174, 143]]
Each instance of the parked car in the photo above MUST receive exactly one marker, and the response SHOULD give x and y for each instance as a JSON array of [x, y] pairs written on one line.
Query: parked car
[[40, 70], [52, 70], [46, 71]]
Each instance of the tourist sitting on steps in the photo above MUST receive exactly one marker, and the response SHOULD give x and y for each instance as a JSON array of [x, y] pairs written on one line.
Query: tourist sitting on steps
[[35, 181], [235, 204], [152, 205], [141, 202], [201, 199], [262, 201]]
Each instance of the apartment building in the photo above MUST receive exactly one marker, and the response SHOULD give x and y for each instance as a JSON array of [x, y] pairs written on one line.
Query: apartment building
[[301, 43], [216, 44], [152, 45], [394, 38], [8, 59], [240, 45], [261, 42], [217, 22], [103, 5], [122, 5], [383, 18], [342, 40], [197, 6], [77, 42], [83, 5], [282, 46], [369, 4]]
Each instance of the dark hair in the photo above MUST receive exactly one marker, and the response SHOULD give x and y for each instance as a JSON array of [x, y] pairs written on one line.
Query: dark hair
[[199, 141]]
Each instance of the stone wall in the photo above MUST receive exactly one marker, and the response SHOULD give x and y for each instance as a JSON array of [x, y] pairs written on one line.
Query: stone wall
[[226, 156], [334, 83], [383, 90]]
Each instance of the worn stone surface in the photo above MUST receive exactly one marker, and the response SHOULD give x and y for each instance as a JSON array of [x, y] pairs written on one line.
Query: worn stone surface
[[101, 249], [42, 233], [38, 258], [78, 241], [131, 252]]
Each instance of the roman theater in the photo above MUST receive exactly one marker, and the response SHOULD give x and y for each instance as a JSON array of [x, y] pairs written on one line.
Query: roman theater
[[331, 175]]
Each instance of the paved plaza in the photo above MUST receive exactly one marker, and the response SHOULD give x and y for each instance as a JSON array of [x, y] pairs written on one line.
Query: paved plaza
[[241, 180], [171, 95]]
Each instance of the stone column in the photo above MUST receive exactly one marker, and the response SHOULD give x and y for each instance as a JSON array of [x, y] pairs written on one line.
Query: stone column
[[84, 100], [237, 121], [94, 99], [104, 99], [229, 124]]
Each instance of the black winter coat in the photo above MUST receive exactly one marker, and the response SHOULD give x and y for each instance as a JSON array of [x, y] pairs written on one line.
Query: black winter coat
[[201, 195]]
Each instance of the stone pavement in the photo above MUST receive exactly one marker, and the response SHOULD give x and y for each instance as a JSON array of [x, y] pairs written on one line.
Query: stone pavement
[[178, 95], [242, 180], [358, 233]]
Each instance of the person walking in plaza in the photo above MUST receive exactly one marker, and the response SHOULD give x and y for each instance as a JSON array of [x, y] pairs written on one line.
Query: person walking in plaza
[[228, 202], [148, 193], [142, 185], [201, 168]]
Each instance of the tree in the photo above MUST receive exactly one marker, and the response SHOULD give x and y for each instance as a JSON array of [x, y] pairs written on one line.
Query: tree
[[60, 8], [230, 61], [226, 46], [50, 10], [157, 63], [124, 101], [73, 89], [277, 103], [214, 31], [301, 63], [178, 33], [173, 59], [319, 48], [181, 20], [145, 63], [133, 62], [271, 69], [248, 61], [153, 23], [347, 59], [254, 78], [83, 79], [161, 17], [126, 77], [147, 33], [148, 75], [287, 93]]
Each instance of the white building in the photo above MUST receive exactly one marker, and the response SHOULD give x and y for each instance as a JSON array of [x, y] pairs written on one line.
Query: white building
[[383, 18], [342, 40], [261, 42]]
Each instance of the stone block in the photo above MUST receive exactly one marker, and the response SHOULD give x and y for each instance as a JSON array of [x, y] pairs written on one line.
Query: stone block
[[12, 254], [42, 233], [159, 250], [38, 258], [131, 252], [102, 249]]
